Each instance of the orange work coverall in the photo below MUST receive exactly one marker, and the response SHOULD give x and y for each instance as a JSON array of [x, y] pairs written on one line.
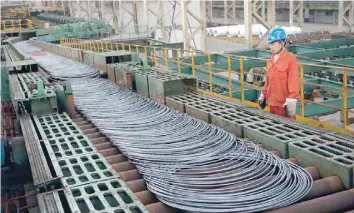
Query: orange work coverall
[[282, 82]]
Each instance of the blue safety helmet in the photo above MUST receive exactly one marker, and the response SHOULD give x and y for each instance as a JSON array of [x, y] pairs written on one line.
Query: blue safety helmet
[[276, 34]]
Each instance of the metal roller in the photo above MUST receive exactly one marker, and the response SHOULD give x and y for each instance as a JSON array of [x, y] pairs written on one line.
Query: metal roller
[[137, 185], [105, 145], [160, 208], [130, 175], [313, 171], [98, 140], [325, 186], [146, 197], [116, 158], [109, 152], [337, 202], [123, 166]]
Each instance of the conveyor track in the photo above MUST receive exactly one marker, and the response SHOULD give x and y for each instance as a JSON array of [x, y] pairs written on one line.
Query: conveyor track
[[39, 166], [15, 87], [47, 202]]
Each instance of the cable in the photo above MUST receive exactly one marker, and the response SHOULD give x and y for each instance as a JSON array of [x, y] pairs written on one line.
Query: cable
[[15, 198], [26, 207]]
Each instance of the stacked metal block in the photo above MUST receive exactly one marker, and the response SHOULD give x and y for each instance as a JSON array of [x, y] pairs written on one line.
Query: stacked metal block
[[102, 60], [90, 184], [122, 73], [332, 153], [275, 135], [155, 84]]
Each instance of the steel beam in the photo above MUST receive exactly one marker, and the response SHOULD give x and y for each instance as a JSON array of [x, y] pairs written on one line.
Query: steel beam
[[72, 12], [146, 15], [209, 11], [296, 12], [199, 28], [225, 11], [344, 20], [268, 24], [248, 23], [229, 12], [338, 52], [314, 109], [161, 20], [334, 43], [63, 5]]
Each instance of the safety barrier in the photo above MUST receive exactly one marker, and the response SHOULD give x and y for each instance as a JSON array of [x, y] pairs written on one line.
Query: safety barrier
[[20, 24], [232, 77]]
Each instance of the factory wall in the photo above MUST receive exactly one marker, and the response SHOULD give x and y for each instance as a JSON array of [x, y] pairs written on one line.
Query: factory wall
[[315, 16]]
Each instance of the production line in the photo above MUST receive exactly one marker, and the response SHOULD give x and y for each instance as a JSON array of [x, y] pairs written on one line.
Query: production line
[[181, 158]]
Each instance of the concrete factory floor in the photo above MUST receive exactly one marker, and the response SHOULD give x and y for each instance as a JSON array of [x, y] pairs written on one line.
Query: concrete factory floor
[[217, 45]]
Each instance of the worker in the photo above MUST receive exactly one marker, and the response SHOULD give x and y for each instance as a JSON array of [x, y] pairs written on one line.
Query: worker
[[152, 33], [281, 90]]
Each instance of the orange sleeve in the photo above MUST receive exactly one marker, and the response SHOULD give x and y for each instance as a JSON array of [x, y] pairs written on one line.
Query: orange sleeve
[[265, 88], [294, 80], [266, 85]]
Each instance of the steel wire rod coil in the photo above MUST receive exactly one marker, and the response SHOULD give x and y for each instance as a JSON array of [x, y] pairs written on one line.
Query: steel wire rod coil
[[187, 163]]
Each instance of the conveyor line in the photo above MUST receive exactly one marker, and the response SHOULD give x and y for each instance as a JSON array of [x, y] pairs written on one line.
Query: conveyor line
[[39, 166], [15, 87], [49, 202]]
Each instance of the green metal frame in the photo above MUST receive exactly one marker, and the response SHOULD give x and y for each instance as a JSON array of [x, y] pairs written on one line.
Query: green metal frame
[[312, 53]]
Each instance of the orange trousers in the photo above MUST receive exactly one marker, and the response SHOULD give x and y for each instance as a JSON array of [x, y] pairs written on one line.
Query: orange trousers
[[280, 111]]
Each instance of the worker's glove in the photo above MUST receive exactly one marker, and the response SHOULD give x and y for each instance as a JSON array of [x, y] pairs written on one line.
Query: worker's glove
[[290, 106], [262, 101]]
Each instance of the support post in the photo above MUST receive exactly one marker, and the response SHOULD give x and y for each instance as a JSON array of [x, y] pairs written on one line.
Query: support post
[[225, 11], [291, 10], [146, 14], [340, 14], [72, 13], [247, 5]]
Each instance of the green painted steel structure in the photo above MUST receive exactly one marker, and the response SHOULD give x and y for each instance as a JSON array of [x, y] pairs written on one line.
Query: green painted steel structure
[[335, 52]]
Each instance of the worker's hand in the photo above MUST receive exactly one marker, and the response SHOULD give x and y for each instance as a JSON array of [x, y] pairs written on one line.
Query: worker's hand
[[290, 106], [262, 101]]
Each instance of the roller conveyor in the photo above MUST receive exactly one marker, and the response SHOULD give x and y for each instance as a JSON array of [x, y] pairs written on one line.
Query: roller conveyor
[[15, 87], [39, 166], [49, 202]]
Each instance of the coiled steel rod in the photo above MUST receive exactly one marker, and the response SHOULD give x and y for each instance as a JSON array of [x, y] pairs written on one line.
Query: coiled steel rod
[[187, 163]]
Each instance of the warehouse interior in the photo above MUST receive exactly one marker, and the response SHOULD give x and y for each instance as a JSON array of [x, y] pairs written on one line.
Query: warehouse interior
[[154, 106]]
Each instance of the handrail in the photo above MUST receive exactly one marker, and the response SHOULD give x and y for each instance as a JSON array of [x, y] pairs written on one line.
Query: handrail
[[159, 55]]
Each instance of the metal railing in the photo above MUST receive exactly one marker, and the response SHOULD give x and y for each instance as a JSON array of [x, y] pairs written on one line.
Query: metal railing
[[179, 59], [16, 24]]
